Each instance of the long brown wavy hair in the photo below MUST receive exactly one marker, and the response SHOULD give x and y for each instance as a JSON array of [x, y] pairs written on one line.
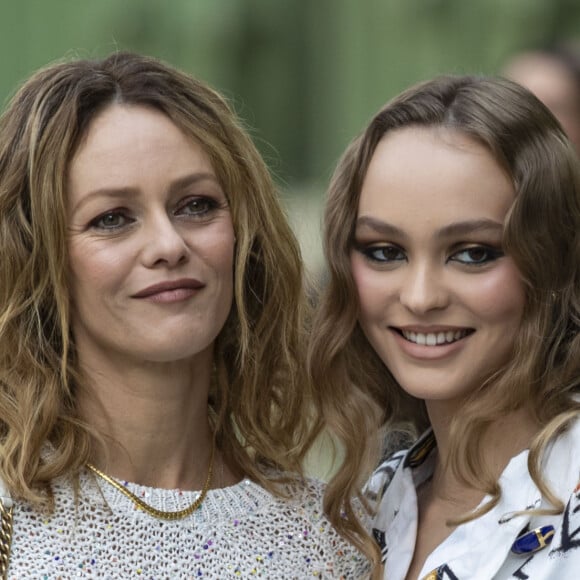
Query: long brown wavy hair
[[260, 399], [542, 235]]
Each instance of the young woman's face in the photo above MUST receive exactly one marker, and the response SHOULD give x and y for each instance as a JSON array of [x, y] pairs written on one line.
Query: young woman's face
[[439, 300], [151, 241]]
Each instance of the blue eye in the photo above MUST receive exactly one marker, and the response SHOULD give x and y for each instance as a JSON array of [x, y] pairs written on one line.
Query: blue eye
[[197, 207], [476, 255], [383, 254], [110, 221]]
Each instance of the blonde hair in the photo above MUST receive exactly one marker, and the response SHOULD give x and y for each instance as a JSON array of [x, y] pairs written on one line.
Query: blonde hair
[[357, 391], [260, 398]]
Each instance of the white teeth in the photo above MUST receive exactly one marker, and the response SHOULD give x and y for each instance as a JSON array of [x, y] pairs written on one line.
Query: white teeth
[[434, 339]]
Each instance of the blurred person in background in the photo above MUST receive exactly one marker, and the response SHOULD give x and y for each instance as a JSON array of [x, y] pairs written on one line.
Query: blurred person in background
[[154, 409], [452, 236], [553, 75]]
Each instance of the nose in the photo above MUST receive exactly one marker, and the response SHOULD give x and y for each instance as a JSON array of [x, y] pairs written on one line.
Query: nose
[[164, 245], [423, 289]]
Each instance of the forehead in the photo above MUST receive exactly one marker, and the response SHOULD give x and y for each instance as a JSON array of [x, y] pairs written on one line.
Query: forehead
[[434, 175], [125, 145], [121, 125]]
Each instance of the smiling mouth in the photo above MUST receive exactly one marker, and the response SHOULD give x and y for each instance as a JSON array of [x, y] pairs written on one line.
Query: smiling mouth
[[434, 338]]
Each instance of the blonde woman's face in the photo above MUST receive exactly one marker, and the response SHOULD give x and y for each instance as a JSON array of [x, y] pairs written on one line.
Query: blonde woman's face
[[440, 302], [151, 241]]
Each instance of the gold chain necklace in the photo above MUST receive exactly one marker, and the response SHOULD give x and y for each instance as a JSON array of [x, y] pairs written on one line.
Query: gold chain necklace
[[154, 511]]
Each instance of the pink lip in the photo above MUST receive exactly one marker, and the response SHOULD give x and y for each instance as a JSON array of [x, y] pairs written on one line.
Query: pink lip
[[177, 288]]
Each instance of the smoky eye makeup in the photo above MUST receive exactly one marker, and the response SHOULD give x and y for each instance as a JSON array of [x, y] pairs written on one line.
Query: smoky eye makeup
[[476, 255], [380, 252]]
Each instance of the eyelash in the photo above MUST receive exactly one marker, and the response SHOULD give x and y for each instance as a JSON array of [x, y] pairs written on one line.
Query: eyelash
[[371, 253], [98, 223], [490, 255], [209, 205]]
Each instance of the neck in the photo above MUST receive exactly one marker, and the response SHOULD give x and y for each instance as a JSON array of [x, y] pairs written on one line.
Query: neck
[[153, 418], [506, 437]]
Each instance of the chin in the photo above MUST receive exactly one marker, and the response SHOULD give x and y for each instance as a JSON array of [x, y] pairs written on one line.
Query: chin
[[435, 386], [175, 351]]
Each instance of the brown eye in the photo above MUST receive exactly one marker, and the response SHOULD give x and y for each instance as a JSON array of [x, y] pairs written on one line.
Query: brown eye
[[476, 255], [384, 253]]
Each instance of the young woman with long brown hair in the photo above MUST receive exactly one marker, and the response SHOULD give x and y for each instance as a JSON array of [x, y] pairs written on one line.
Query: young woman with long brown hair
[[452, 234]]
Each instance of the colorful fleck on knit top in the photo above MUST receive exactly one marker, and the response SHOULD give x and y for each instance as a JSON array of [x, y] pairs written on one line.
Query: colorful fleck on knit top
[[241, 531]]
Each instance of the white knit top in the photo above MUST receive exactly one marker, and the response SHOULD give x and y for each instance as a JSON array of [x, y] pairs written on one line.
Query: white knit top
[[238, 532]]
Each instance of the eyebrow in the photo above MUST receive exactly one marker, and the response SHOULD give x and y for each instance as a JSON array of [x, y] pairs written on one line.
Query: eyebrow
[[130, 192], [454, 229]]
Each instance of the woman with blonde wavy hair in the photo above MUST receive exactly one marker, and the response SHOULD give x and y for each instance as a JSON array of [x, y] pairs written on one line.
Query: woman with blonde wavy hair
[[452, 308], [154, 411]]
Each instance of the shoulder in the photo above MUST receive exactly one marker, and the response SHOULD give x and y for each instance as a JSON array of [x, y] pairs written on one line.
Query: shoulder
[[306, 497], [561, 463], [561, 471], [305, 507], [561, 556], [568, 537]]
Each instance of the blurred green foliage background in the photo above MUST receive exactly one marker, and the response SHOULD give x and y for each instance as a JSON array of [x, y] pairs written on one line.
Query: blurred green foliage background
[[305, 75]]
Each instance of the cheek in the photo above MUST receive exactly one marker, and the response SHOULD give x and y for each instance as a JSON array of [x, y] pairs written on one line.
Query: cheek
[[97, 267], [359, 277], [217, 250], [370, 287], [96, 272], [500, 296], [226, 257]]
